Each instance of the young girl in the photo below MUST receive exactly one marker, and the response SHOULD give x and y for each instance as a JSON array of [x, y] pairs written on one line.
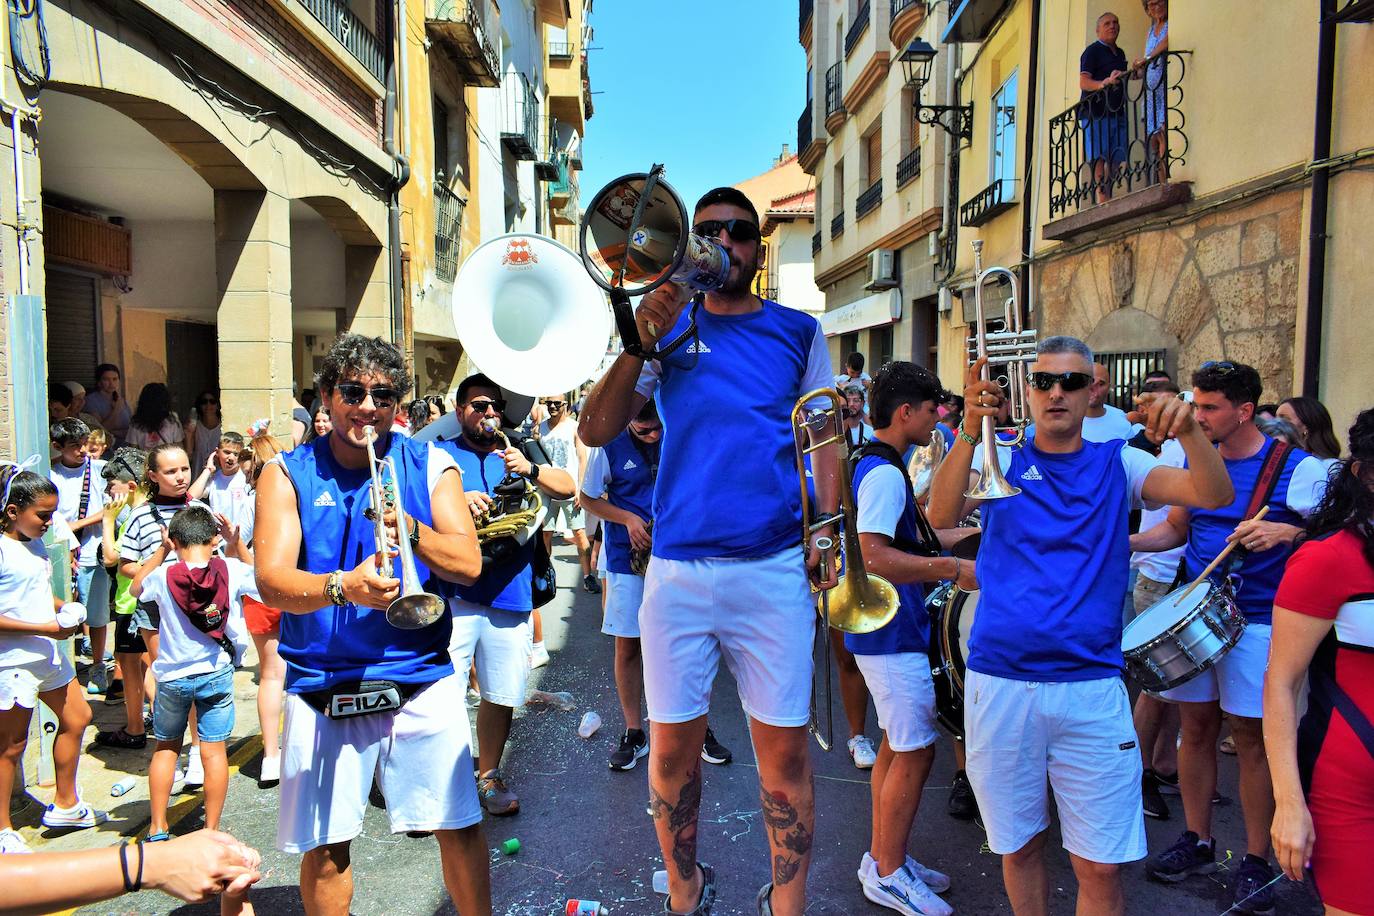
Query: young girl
[[32, 668]]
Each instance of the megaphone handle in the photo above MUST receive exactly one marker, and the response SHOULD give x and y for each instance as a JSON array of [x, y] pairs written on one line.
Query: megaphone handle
[[625, 323]]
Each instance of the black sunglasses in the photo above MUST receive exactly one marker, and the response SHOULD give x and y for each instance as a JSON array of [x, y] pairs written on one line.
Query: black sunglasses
[[741, 230], [555, 405], [483, 405], [1222, 366], [354, 393], [1069, 381], [646, 430]]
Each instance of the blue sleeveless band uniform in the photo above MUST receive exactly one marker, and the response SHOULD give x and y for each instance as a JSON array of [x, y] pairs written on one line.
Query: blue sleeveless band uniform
[[505, 585], [633, 466], [1054, 565], [909, 631], [339, 644]]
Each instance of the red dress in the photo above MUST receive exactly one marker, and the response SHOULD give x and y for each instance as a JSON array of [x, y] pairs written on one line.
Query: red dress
[[1331, 579]]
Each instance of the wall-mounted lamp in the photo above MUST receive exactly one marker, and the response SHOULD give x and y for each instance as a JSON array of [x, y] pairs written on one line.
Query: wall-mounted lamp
[[917, 61]]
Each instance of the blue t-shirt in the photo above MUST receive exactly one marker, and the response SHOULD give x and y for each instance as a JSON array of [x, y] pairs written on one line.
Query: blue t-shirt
[[626, 469], [727, 483], [506, 585], [885, 505], [338, 644], [1098, 61], [1300, 487], [1054, 563]]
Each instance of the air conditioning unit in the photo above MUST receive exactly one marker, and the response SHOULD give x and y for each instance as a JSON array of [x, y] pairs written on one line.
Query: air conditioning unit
[[882, 269]]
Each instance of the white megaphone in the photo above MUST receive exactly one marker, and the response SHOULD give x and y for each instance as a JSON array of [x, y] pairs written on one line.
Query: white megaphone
[[635, 238], [528, 317]]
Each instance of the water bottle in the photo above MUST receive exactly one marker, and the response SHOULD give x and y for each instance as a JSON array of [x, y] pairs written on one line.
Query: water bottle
[[589, 724], [661, 882], [586, 908], [561, 700], [124, 785]]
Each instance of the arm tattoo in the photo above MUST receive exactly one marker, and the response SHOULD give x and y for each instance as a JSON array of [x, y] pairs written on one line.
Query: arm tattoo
[[682, 820], [787, 833]]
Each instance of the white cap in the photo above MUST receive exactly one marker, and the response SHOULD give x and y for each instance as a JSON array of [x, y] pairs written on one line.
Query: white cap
[[76, 388]]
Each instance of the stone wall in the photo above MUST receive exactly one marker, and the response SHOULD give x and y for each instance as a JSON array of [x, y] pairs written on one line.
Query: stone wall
[[1223, 285]]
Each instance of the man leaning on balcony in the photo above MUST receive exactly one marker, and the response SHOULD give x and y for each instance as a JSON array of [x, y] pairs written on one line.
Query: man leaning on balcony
[[1102, 111]]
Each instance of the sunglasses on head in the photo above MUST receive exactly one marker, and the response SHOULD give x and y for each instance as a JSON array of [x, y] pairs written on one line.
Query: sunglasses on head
[[1222, 366], [482, 405], [1069, 381], [354, 393], [741, 230]]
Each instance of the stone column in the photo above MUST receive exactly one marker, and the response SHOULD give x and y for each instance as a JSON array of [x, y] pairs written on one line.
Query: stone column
[[367, 307], [253, 267]]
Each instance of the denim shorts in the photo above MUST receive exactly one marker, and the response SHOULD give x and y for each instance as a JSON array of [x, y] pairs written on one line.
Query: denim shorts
[[213, 696], [93, 585]]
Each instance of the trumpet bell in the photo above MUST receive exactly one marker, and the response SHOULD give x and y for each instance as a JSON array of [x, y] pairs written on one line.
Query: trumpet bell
[[991, 484], [414, 612], [863, 607], [529, 316]]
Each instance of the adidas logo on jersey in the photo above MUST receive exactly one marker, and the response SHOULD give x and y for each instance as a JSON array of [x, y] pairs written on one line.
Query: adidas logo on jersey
[[324, 499], [698, 346], [1032, 473], [629, 465]]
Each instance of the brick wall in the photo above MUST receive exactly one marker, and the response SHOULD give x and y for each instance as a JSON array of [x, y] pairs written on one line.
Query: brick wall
[[258, 25]]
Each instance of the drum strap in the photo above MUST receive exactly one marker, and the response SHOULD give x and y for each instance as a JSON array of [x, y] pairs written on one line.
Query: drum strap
[[1327, 694], [929, 545], [1265, 485]]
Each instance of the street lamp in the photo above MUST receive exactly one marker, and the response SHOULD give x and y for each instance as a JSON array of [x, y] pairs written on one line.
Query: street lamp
[[917, 61]]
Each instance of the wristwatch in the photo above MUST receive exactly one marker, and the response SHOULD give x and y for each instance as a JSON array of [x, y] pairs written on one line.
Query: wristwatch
[[414, 532], [533, 475]]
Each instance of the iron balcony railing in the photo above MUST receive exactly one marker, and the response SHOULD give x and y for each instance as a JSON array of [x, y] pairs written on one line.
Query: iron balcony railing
[[805, 9], [909, 167], [899, 6], [804, 129], [987, 203], [561, 50], [868, 201], [351, 31], [448, 231], [834, 86], [857, 27], [837, 225], [520, 129], [816, 243], [1119, 139]]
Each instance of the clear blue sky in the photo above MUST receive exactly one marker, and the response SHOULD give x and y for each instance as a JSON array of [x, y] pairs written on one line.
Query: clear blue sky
[[710, 88]]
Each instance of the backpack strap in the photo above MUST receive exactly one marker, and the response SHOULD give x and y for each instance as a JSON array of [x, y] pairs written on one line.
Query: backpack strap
[[929, 544]]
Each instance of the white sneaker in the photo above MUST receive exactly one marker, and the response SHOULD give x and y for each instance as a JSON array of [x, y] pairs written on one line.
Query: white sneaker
[[271, 770], [904, 892], [861, 750], [539, 656], [936, 881], [12, 842], [179, 781], [195, 771], [79, 815]]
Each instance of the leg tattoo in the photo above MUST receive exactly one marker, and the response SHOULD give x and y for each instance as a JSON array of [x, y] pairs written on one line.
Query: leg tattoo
[[787, 832], [682, 821]]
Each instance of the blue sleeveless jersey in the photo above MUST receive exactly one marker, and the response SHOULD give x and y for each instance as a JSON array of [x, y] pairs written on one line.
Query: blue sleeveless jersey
[[1053, 568], [909, 631], [631, 487], [338, 644], [506, 586]]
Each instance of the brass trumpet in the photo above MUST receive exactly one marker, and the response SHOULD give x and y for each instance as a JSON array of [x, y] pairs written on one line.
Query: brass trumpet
[[1012, 348], [861, 602], [413, 608]]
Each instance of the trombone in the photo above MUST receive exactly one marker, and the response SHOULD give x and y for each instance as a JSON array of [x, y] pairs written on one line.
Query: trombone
[[413, 608], [860, 602], [1010, 346]]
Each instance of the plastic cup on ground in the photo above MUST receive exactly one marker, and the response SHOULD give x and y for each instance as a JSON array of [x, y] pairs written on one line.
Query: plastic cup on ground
[[591, 721]]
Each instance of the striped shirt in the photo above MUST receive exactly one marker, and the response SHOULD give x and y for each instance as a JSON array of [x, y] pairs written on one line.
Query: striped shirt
[[143, 533]]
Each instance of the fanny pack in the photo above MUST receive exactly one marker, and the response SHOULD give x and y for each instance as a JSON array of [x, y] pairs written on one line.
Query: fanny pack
[[361, 698]]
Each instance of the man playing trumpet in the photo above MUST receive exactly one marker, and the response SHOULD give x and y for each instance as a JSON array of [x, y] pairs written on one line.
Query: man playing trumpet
[[364, 697]]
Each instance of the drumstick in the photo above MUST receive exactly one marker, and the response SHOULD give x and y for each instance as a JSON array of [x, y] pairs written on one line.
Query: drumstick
[[1215, 563]]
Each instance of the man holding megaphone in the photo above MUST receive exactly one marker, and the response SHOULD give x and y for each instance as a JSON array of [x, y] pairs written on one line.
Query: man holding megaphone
[[726, 577]]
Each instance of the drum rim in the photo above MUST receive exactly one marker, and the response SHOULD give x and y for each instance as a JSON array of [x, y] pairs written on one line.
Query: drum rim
[[1178, 625]]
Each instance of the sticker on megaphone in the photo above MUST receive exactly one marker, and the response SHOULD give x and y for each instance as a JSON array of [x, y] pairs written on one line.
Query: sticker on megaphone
[[705, 264]]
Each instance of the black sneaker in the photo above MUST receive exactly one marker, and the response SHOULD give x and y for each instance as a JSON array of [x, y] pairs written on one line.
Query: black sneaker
[[1184, 858], [1254, 890], [1168, 784], [633, 745], [712, 751], [590, 585], [1149, 794], [962, 804]]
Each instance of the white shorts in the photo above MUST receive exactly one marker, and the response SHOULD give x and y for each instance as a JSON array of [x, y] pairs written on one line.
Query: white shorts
[[904, 696], [624, 594], [499, 642], [563, 519], [21, 684], [1078, 737], [420, 756], [1237, 679], [758, 613], [601, 570]]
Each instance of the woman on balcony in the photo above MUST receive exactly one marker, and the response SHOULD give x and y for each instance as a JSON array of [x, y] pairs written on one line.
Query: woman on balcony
[[1152, 68]]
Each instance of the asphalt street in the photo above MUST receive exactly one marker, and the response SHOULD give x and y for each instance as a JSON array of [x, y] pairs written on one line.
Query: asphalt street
[[584, 831]]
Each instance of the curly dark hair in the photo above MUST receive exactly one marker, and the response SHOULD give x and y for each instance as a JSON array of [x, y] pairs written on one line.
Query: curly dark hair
[[1237, 382], [1349, 499], [354, 354], [899, 383]]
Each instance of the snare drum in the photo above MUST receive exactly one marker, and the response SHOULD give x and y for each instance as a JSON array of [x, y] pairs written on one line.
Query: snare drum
[[951, 611], [1172, 643]]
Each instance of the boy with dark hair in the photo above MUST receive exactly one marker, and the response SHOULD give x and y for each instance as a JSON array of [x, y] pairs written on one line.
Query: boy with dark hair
[[853, 373], [221, 482], [59, 401], [81, 504], [201, 639]]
